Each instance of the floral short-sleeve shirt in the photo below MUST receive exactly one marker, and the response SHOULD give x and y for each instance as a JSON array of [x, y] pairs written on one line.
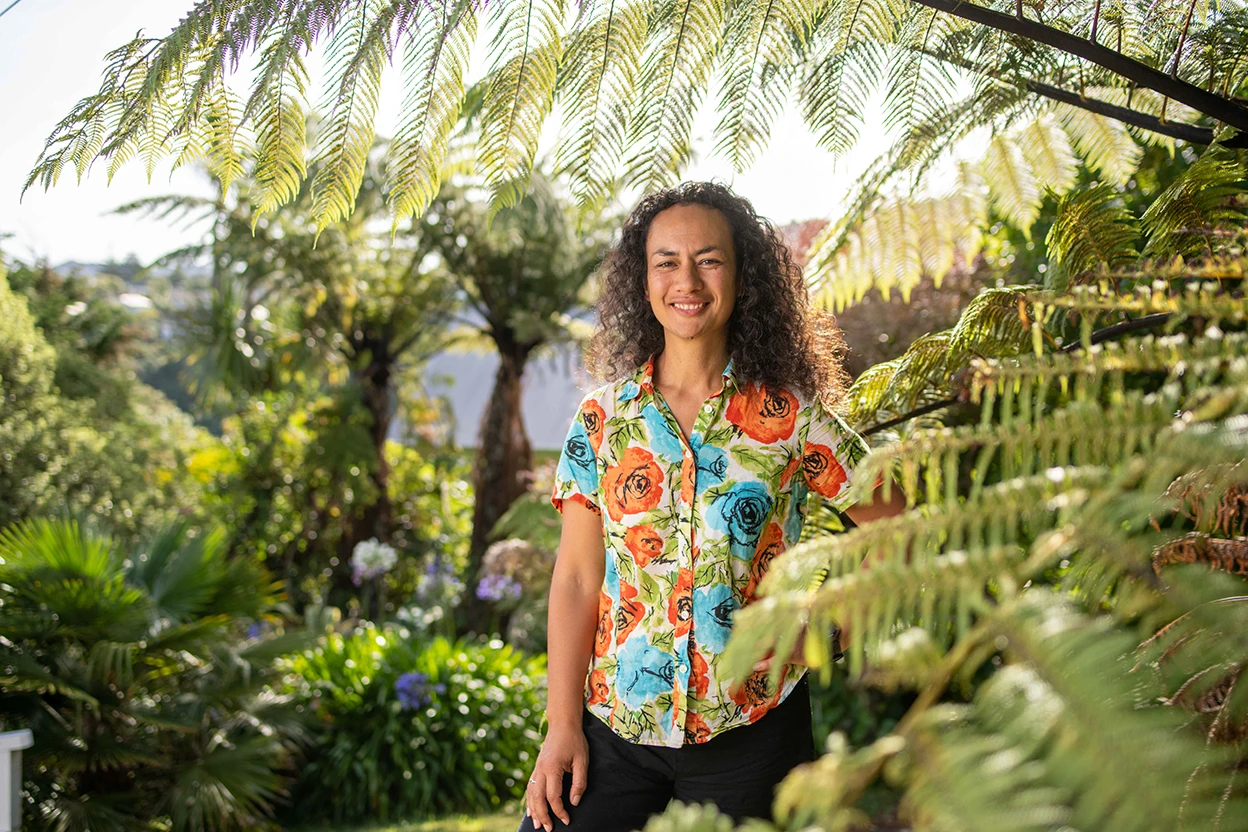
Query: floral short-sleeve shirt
[[691, 528]]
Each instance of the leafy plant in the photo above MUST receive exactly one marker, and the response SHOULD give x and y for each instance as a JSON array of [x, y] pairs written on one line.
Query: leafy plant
[[408, 727], [143, 686]]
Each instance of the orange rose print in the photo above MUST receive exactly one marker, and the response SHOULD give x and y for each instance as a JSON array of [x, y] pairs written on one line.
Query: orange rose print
[[696, 729], [789, 471], [628, 614], [599, 689], [634, 485], [699, 674], [680, 604], [764, 415], [644, 543], [823, 473], [756, 696], [593, 416], [602, 638], [770, 544]]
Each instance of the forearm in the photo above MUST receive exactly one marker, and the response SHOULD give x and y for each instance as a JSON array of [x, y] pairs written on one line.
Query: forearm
[[571, 625]]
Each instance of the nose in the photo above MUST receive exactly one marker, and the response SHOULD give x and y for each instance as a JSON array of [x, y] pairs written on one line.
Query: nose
[[687, 277]]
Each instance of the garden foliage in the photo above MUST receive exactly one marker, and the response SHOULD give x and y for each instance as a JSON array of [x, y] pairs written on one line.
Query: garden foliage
[[408, 726], [143, 675]]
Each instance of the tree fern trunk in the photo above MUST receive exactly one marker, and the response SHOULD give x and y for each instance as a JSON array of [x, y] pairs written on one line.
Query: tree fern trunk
[[504, 459]]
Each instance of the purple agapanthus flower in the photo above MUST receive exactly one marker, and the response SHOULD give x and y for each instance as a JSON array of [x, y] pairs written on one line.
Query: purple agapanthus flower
[[499, 588], [414, 691]]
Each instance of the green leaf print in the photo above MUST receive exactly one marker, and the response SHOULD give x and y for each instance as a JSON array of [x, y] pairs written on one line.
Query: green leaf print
[[757, 460]]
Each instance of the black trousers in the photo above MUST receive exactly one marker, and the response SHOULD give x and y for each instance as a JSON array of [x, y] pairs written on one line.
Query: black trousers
[[737, 770]]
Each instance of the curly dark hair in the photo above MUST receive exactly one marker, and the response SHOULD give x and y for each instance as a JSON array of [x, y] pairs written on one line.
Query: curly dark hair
[[775, 338]]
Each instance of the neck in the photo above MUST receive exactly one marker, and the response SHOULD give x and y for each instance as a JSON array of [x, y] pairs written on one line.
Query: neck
[[692, 365]]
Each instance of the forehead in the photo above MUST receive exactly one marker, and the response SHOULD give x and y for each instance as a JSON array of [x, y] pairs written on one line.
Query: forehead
[[689, 226]]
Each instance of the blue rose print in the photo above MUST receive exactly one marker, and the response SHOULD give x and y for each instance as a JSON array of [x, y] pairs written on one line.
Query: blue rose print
[[578, 460], [712, 463], [629, 392], [712, 616], [663, 440], [741, 514], [644, 672]]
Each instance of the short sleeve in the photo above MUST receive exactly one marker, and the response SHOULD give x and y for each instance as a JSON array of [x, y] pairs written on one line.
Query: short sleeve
[[832, 453], [576, 477]]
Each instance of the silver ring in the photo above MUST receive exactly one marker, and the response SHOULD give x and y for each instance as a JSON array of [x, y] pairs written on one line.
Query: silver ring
[[531, 780]]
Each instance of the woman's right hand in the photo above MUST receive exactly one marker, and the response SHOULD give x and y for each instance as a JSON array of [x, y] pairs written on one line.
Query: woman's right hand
[[564, 750]]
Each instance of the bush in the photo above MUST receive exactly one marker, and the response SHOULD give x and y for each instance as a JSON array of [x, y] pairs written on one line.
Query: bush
[[411, 727], [145, 692]]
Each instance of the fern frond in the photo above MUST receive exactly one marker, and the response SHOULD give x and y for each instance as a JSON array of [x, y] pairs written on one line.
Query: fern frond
[[1046, 147], [598, 88], [526, 52], [764, 41], [1011, 181], [356, 58], [437, 47], [1092, 231], [1105, 145], [994, 324], [277, 103], [684, 39], [1186, 218]]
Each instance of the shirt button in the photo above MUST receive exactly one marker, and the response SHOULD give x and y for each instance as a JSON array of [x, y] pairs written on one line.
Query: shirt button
[[710, 408], [681, 667]]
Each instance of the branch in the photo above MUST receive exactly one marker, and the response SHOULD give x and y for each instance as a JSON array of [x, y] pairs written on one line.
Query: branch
[[1212, 105], [1109, 332]]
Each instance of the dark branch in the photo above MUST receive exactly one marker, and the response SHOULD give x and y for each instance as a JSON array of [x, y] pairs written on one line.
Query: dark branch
[[1211, 104], [1106, 334]]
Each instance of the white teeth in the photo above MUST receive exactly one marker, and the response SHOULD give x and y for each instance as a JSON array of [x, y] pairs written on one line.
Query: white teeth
[[688, 307]]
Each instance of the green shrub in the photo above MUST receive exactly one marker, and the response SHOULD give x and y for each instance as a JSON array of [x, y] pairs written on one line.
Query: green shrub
[[146, 692], [411, 727]]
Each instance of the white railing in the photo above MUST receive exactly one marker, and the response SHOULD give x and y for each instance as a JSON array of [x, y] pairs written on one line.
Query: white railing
[[11, 745]]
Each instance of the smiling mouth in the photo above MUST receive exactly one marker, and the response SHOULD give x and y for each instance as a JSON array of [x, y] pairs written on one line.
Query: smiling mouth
[[690, 308]]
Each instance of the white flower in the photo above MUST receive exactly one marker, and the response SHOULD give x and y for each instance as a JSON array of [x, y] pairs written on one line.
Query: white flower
[[371, 558]]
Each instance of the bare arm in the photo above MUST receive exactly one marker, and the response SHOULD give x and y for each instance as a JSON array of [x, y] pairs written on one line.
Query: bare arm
[[575, 589]]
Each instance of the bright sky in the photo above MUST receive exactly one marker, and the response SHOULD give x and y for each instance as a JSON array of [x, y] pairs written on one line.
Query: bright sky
[[51, 55]]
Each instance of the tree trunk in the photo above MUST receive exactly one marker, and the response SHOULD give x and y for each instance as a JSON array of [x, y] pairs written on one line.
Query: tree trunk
[[500, 475], [377, 519]]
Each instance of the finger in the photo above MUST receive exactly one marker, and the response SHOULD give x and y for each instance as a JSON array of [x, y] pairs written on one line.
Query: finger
[[554, 796], [537, 805], [762, 666], [580, 775]]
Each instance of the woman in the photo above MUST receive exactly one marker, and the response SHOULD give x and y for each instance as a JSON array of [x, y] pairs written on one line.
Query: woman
[[679, 484]]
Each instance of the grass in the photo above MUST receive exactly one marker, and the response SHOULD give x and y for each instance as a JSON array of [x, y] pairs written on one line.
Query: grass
[[506, 822]]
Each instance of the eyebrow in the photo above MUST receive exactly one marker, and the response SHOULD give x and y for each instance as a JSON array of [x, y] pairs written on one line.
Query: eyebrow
[[663, 252]]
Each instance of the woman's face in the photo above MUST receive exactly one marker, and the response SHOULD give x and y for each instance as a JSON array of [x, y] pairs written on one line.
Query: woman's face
[[691, 272]]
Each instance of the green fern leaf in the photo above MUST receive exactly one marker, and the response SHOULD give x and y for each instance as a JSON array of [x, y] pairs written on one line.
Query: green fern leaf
[[1091, 232], [526, 50], [438, 49]]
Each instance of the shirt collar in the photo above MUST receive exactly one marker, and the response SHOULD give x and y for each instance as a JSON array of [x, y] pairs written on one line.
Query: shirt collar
[[643, 379]]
